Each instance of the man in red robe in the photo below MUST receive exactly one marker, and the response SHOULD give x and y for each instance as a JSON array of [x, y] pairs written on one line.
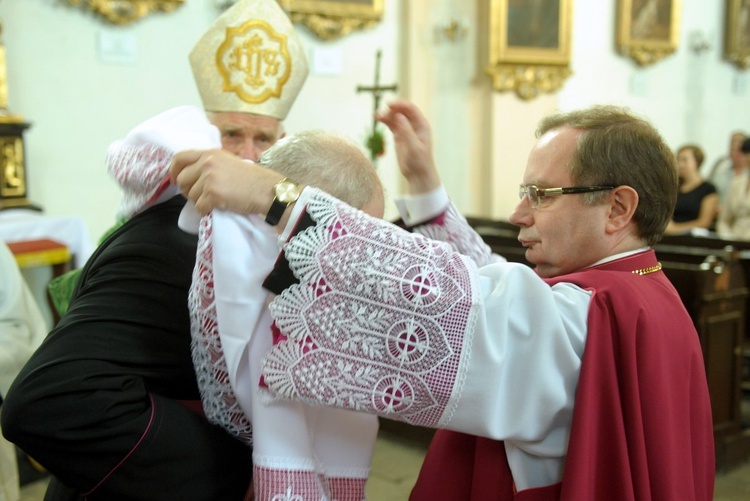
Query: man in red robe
[[581, 379]]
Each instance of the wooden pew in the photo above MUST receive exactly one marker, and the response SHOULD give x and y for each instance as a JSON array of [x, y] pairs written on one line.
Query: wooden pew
[[678, 243], [714, 292]]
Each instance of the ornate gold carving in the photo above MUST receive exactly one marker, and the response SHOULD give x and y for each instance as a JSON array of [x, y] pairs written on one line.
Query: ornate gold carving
[[742, 61], [11, 168], [330, 20], [5, 115], [645, 55], [454, 30], [528, 81], [737, 34], [126, 11], [332, 27], [3, 75]]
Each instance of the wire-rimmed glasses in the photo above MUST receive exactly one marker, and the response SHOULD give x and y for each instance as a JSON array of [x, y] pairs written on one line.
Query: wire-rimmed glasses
[[537, 195]]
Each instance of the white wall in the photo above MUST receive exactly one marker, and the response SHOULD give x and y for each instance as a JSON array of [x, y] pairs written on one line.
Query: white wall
[[689, 97], [79, 104]]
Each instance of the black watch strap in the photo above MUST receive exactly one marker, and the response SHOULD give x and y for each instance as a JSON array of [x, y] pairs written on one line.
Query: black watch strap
[[275, 212]]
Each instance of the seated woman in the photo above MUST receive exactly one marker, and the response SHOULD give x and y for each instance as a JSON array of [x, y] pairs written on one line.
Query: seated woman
[[697, 201], [734, 220]]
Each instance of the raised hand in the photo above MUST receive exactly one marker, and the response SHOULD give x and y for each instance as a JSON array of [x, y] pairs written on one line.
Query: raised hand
[[413, 140]]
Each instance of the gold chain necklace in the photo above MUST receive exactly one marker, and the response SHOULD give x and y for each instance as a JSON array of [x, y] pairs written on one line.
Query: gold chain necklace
[[646, 271]]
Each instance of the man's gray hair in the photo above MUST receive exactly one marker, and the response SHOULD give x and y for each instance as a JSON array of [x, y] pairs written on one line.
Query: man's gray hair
[[326, 161]]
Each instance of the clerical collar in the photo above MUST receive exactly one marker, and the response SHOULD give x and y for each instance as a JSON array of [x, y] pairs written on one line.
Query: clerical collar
[[621, 255]]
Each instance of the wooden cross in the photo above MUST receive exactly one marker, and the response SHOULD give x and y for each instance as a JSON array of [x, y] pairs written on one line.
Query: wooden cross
[[377, 90]]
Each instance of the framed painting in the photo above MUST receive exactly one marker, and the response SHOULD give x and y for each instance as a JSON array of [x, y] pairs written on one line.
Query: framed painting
[[737, 33], [529, 45], [332, 19], [648, 30]]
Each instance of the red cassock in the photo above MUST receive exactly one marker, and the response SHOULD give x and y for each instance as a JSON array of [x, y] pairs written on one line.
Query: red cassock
[[642, 427]]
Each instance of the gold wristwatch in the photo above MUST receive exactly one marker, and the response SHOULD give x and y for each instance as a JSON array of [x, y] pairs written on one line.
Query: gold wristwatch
[[286, 192]]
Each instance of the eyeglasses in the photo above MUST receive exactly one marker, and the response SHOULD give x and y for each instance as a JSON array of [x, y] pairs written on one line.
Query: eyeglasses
[[536, 195]]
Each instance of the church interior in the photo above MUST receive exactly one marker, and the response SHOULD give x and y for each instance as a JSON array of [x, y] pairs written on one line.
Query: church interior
[[74, 77]]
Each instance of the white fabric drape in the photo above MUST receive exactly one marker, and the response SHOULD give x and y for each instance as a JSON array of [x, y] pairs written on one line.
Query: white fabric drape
[[22, 329]]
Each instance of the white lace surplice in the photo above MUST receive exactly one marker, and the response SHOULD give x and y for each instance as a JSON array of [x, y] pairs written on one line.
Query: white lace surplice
[[390, 323], [340, 357]]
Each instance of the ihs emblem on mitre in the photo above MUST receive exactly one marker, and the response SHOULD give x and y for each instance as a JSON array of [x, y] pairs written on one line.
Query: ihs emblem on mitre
[[253, 61]]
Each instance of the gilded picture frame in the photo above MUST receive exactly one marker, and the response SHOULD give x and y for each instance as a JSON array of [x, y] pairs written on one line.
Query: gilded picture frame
[[126, 11], [333, 19], [737, 33], [529, 45], [648, 30]]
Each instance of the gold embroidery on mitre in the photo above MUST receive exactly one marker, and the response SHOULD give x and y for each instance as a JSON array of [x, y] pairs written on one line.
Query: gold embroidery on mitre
[[254, 62]]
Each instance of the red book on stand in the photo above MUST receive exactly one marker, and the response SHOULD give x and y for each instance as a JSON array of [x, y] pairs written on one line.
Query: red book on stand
[[41, 252]]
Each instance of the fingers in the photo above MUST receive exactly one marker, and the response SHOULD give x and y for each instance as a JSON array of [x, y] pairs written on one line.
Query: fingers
[[402, 129], [193, 171], [181, 161], [413, 114], [407, 123], [200, 198]]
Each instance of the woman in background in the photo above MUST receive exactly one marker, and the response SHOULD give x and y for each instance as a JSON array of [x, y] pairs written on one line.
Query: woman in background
[[697, 201], [734, 220]]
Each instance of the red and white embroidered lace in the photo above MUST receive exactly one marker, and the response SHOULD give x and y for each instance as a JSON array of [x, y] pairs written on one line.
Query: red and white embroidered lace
[[380, 322]]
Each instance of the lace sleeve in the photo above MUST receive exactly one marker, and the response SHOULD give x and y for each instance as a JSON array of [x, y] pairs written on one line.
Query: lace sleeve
[[381, 321], [452, 227]]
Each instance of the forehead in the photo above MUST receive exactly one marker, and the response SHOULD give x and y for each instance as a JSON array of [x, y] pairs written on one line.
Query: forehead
[[244, 121], [549, 160]]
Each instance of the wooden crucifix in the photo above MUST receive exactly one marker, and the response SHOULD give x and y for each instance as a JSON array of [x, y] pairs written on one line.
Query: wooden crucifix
[[375, 140]]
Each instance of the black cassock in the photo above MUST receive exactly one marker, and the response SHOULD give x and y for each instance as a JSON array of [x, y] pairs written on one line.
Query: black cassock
[[104, 403]]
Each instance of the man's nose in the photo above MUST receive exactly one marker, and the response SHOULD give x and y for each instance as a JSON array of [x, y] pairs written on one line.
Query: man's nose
[[249, 151], [521, 215]]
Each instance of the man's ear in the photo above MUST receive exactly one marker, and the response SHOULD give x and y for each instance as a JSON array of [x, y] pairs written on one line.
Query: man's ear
[[623, 201]]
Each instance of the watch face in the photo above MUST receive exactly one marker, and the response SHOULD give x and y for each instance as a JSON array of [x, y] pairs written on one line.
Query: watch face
[[287, 192]]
